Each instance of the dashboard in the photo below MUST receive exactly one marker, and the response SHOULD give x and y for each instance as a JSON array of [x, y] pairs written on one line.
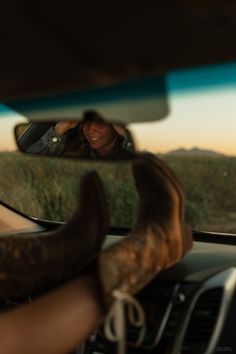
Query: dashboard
[[190, 308]]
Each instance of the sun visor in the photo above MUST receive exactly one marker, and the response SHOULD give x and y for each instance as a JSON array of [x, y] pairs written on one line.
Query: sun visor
[[137, 100]]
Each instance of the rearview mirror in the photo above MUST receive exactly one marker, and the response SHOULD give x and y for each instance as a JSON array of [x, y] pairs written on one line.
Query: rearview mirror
[[90, 137]]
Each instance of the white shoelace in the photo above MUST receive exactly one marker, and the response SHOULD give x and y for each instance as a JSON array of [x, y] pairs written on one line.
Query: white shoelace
[[114, 327]]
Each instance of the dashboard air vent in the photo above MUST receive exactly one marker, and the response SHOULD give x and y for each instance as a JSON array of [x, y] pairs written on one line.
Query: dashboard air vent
[[202, 322]]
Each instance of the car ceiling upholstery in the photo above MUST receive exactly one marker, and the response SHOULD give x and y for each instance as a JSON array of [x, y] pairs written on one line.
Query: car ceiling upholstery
[[59, 46]]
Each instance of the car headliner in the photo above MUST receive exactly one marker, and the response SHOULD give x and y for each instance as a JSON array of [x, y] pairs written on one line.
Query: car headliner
[[51, 46]]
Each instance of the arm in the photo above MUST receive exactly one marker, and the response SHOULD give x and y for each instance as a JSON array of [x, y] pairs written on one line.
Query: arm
[[53, 141], [50, 143], [56, 323]]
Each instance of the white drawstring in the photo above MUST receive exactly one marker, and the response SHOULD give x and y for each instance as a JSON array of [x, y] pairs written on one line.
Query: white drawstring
[[114, 327]]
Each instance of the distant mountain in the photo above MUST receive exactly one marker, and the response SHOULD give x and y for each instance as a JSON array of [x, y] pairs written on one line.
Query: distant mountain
[[194, 152]]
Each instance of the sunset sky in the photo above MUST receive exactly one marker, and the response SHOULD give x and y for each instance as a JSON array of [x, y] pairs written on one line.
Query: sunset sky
[[205, 120]]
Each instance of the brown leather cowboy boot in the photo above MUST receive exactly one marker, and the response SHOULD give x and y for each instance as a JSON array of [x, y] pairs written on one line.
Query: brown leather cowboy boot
[[35, 262], [159, 238]]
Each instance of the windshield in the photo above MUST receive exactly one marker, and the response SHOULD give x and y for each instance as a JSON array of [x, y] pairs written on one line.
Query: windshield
[[196, 139]]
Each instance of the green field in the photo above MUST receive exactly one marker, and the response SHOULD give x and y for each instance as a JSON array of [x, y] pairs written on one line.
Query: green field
[[47, 187]]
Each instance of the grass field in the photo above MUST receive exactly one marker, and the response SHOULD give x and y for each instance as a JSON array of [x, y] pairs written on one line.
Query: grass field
[[46, 188]]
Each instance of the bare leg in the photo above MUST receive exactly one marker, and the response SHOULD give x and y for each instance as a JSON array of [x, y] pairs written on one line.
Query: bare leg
[[56, 323]]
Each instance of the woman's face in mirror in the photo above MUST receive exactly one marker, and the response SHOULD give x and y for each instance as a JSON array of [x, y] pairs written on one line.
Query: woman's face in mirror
[[98, 134]]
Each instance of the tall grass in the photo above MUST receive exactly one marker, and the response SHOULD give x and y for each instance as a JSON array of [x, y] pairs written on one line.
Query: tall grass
[[210, 188], [47, 188]]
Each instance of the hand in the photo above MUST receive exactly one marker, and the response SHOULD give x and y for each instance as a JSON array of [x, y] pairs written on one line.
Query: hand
[[62, 127]]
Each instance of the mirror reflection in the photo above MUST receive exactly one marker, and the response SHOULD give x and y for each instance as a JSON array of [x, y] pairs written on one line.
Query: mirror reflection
[[90, 137]]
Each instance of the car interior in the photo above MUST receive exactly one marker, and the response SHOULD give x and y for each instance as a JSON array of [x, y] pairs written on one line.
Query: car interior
[[180, 106]]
